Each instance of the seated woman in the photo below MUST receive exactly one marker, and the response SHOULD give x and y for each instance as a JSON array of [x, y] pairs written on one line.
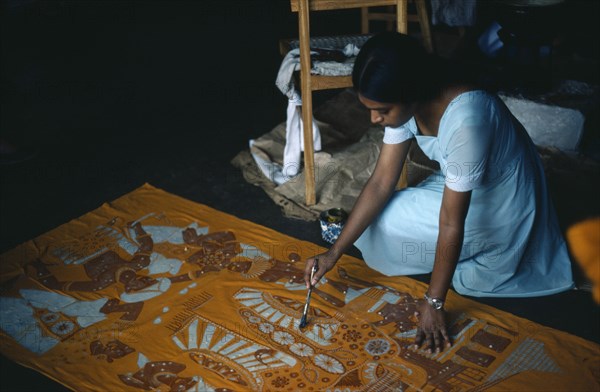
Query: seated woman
[[483, 224]]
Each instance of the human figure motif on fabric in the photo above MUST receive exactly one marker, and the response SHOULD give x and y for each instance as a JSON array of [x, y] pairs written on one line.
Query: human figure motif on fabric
[[114, 349], [107, 269], [154, 375], [219, 248]]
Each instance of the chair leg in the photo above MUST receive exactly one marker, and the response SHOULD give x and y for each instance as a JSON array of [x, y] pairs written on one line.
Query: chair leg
[[403, 180], [364, 20], [309, 150], [424, 24], [306, 91], [402, 16]]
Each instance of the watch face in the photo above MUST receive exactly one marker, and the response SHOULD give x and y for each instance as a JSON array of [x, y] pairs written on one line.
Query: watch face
[[436, 303]]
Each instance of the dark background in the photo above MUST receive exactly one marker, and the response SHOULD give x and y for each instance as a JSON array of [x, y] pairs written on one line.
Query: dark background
[[109, 95]]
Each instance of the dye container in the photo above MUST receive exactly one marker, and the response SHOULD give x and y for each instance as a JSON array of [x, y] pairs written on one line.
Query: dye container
[[332, 222]]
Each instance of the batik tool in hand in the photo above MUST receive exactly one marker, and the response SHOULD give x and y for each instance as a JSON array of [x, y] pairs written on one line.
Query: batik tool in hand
[[303, 321]]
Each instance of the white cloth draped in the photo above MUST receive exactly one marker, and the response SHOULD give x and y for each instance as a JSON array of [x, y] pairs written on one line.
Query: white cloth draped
[[294, 130]]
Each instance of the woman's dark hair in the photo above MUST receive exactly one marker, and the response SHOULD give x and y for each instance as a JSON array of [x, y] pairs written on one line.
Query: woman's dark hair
[[393, 67]]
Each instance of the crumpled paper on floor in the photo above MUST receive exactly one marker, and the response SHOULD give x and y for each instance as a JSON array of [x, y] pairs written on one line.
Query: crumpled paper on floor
[[351, 145]]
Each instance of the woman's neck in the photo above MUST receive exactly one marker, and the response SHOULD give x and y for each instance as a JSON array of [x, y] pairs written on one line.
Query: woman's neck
[[429, 113]]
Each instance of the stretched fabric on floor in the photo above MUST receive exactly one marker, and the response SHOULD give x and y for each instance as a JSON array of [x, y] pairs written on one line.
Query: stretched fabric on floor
[[153, 291]]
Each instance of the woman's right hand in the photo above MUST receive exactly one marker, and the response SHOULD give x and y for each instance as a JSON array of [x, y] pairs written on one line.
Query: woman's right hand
[[326, 262]]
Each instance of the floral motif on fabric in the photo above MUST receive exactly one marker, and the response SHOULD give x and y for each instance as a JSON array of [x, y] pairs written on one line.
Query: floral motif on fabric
[[329, 364], [377, 346], [266, 328], [352, 335], [283, 338], [302, 350], [280, 382]]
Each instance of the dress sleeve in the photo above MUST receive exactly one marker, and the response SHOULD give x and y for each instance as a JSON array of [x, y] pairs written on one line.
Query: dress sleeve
[[397, 135], [467, 152]]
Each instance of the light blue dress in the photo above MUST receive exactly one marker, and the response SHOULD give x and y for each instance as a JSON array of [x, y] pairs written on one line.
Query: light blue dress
[[513, 246]]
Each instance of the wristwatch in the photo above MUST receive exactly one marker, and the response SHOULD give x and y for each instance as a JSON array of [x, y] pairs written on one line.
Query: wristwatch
[[436, 303]]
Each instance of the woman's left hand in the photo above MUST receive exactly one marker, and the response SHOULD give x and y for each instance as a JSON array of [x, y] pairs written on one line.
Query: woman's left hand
[[431, 328]]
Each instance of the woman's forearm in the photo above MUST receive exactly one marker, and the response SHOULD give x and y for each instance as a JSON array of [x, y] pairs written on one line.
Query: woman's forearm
[[368, 205], [374, 195], [453, 213], [447, 253]]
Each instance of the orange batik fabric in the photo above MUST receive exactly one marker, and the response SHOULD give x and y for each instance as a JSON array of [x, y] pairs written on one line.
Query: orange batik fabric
[[155, 292]]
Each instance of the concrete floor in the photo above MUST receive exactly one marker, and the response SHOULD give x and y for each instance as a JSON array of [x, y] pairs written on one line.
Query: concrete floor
[[115, 94]]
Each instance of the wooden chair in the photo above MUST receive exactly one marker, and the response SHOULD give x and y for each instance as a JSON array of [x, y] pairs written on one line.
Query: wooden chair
[[310, 83], [389, 15]]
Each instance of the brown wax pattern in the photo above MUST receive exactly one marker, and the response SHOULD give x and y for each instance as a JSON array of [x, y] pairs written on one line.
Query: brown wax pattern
[[476, 357], [458, 326], [130, 311], [401, 314], [491, 341], [230, 373], [158, 374], [114, 349]]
